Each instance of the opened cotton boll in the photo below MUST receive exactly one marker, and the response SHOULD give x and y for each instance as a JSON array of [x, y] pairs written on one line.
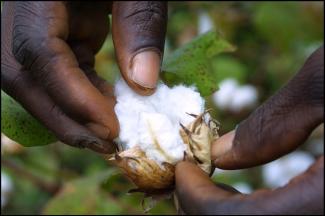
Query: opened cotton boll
[[156, 131], [233, 97], [145, 118]]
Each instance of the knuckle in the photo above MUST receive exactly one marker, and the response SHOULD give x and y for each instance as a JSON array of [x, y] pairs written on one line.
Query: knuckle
[[37, 57], [23, 49], [71, 139], [9, 74], [146, 13], [25, 31], [305, 90], [37, 27], [28, 50], [55, 111], [12, 84], [314, 77]]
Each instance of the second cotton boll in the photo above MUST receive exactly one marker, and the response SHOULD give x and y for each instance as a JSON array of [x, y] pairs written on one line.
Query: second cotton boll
[[148, 120]]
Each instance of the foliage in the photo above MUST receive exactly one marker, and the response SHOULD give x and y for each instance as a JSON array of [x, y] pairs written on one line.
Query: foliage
[[20, 126], [190, 64]]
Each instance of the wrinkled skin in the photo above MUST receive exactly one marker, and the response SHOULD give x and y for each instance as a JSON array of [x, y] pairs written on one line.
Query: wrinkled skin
[[47, 62], [276, 128]]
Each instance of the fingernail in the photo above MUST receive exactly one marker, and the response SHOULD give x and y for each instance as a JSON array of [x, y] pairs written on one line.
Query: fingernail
[[145, 68], [85, 141], [102, 148]]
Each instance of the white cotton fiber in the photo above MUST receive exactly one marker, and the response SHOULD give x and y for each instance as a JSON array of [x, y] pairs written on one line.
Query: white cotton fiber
[[145, 120]]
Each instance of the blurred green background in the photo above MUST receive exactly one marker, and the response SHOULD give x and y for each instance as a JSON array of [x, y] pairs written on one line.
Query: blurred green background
[[273, 39]]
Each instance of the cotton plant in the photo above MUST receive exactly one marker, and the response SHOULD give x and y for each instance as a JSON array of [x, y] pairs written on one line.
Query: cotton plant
[[234, 97], [281, 171]]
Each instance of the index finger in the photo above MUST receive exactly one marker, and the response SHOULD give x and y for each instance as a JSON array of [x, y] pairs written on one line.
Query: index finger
[[43, 51], [198, 195], [280, 125]]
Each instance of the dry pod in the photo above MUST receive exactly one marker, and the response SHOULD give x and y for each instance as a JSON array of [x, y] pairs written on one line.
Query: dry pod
[[154, 178], [198, 137], [147, 174]]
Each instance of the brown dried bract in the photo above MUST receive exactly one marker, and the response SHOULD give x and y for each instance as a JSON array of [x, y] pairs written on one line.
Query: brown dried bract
[[198, 136], [145, 173], [152, 178]]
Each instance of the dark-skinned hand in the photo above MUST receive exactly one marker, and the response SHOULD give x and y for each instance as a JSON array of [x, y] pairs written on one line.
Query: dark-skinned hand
[[47, 62], [274, 129]]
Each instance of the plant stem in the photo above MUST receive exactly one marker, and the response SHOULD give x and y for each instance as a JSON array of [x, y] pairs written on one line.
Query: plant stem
[[51, 188]]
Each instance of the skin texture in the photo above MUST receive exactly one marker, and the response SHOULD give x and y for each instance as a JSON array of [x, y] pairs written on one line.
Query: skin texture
[[47, 62], [276, 128]]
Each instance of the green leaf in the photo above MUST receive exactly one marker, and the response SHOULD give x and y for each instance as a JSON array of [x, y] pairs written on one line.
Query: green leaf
[[102, 193], [191, 64], [228, 67], [287, 24], [82, 196], [20, 126]]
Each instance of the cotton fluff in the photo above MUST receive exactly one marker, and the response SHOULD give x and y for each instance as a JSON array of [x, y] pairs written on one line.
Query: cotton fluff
[[234, 97], [148, 120]]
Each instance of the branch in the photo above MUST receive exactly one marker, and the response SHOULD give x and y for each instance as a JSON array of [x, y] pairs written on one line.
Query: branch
[[50, 188]]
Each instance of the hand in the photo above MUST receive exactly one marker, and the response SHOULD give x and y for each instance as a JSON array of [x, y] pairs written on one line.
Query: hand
[[47, 62], [276, 128]]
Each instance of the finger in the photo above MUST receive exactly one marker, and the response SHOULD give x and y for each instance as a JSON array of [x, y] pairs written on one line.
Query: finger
[[139, 30], [106, 90], [86, 61], [194, 187], [54, 65], [222, 145], [198, 195], [39, 104], [35, 100], [280, 125], [304, 194]]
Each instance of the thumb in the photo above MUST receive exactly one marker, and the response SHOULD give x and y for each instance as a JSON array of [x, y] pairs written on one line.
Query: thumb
[[139, 30]]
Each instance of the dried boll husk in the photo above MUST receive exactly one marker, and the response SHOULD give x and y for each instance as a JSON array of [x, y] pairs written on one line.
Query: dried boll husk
[[148, 175], [198, 137], [153, 178]]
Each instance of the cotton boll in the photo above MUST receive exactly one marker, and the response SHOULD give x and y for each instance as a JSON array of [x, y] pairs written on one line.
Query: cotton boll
[[223, 97], [157, 130], [243, 97], [128, 108], [205, 22], [146, 118], [6, 188], [233, 97], [166, 146], [185, 100], [280, 172]]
